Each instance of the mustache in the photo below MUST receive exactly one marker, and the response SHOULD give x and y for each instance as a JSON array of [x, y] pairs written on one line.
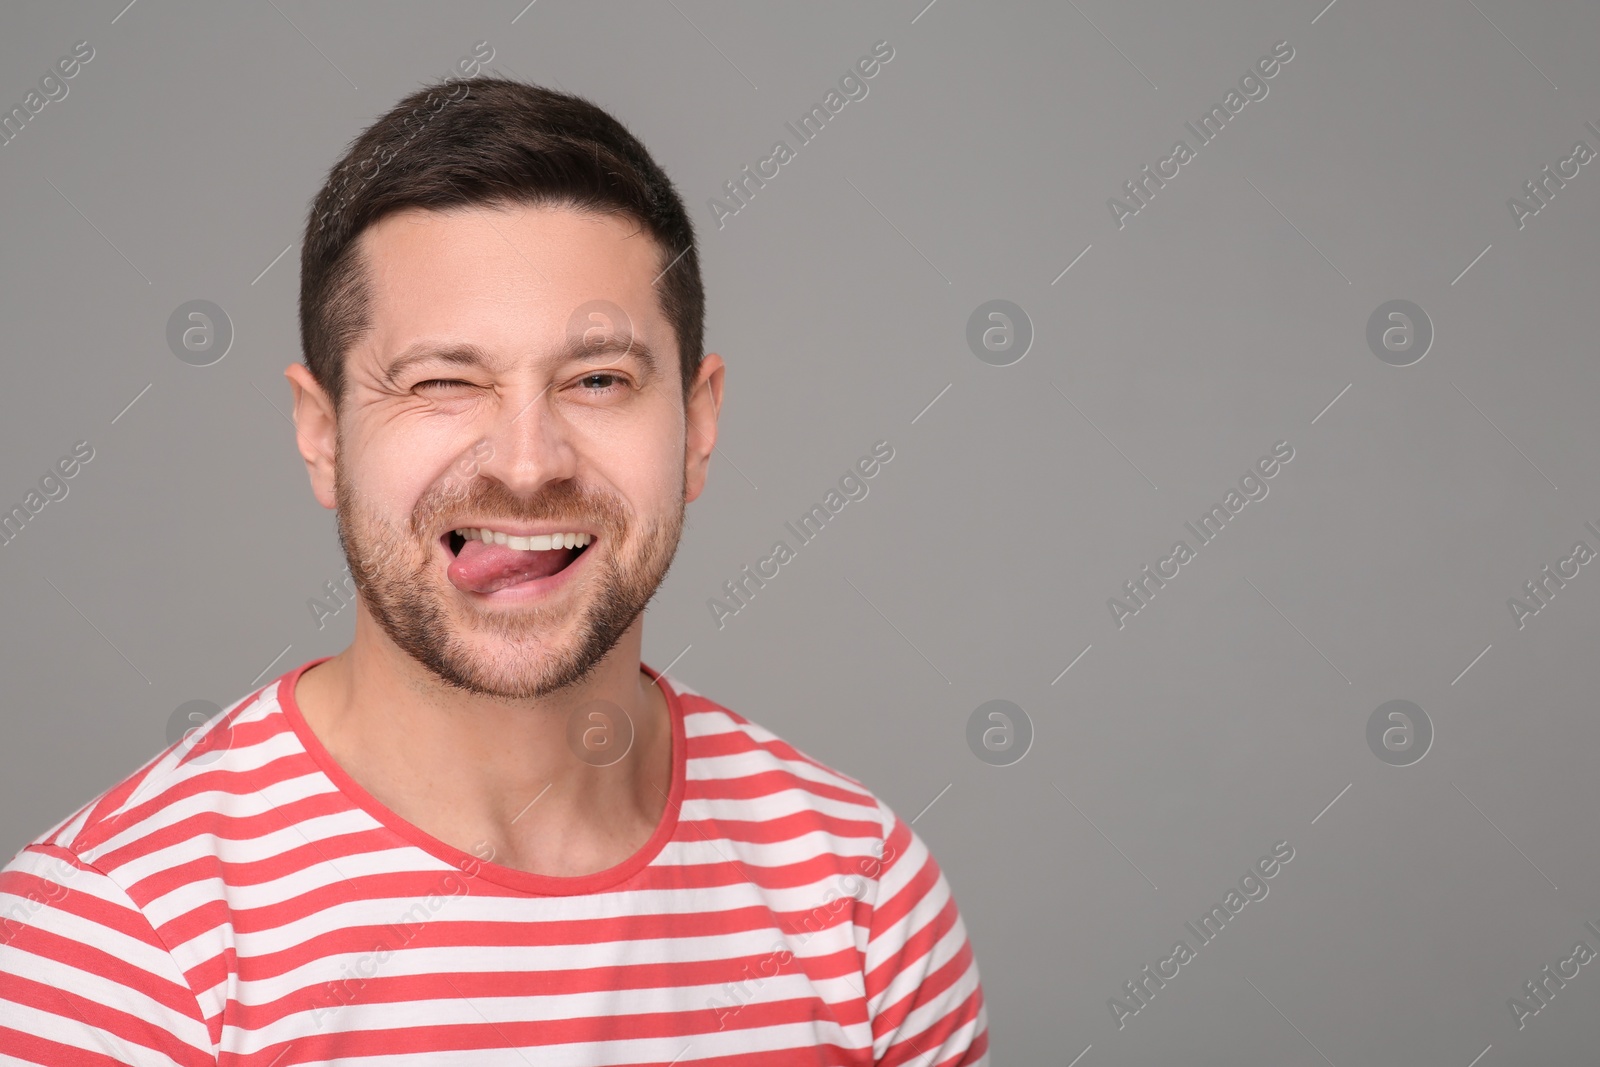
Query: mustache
[[495, 501]]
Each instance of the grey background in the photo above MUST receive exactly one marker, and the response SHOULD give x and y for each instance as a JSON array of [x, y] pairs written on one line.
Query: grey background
[[1224, 717]]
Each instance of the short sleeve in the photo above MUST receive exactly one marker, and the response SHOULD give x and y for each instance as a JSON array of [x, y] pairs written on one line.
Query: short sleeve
[[84, 978], [923, 993]]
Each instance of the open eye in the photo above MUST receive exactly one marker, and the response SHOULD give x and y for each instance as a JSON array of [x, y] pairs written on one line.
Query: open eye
[[608, 382]]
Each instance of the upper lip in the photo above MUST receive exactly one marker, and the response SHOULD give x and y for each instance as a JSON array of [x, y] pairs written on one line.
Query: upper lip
[[513, 530]]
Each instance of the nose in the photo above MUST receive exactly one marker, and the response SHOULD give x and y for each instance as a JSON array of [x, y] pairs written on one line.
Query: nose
[[529, 442]]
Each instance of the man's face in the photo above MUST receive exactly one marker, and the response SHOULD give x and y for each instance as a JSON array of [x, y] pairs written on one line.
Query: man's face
[[562, 426]]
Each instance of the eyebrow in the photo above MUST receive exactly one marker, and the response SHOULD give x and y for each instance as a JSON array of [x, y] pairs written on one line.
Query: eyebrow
[[466, 354]]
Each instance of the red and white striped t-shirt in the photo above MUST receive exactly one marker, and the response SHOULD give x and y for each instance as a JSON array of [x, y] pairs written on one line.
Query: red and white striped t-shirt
[[247, 903]]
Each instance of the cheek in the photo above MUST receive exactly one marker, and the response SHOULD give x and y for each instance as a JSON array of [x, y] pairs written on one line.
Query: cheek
[[390, 482], [644, 461], [406, 456], [644, 467], [649, 482]]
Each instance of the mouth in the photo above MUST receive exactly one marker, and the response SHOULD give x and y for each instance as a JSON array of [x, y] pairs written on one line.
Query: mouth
[[484, 560]]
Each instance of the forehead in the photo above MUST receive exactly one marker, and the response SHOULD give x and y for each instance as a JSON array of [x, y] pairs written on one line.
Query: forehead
[[505, 276]]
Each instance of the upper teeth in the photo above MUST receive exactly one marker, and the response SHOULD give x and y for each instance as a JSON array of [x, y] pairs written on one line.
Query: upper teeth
[[540, 543]]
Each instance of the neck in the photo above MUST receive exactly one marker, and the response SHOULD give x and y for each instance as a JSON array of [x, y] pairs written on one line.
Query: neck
[[495, 777]]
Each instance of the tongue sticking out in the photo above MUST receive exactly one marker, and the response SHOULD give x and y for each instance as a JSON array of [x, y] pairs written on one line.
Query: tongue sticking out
[[483, 568]]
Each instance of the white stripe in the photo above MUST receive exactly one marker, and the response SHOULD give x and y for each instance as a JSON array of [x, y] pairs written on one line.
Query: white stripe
[[842, 861]]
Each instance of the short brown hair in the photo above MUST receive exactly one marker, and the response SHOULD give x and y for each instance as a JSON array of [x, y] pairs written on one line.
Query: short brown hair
[[485, 140]]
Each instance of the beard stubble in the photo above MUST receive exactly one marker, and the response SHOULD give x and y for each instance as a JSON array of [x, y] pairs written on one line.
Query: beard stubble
[[545, 649]]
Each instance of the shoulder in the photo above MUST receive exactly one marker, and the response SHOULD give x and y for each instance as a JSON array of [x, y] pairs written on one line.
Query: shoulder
[[774, 805], [95, 908], [185, 791], [739, 769]]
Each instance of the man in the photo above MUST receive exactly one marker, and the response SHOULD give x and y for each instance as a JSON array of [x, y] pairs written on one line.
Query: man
[[485, 832]]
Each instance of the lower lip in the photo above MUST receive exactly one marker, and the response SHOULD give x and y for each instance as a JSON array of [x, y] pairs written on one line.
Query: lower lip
[[536, 589]]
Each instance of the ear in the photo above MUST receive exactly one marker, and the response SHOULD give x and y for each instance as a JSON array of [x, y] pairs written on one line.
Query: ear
[[700, 417], [316, 430]]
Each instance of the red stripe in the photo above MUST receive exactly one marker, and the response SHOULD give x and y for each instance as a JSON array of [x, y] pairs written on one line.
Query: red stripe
[[47, 944], [122, 1025], [755, 1015], [930, 988], [752, 972], [115, 797], [815, 945], [915, 1048], [732, 742], [764, 783], [52, 1053]]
